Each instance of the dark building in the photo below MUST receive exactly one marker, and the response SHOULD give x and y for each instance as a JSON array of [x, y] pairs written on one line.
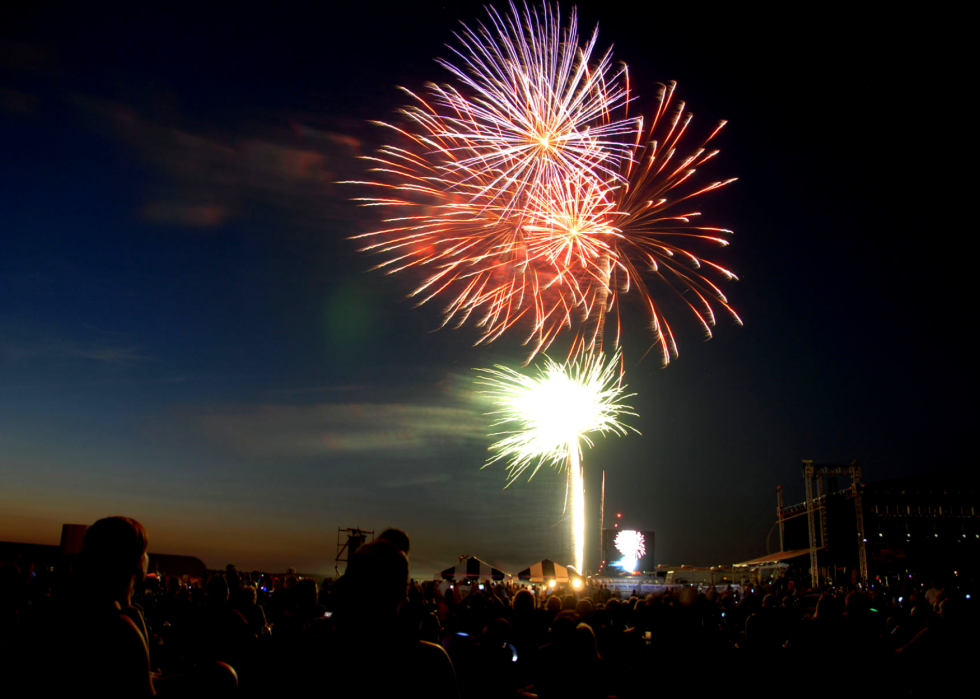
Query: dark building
[[927, 526], [43, 557]]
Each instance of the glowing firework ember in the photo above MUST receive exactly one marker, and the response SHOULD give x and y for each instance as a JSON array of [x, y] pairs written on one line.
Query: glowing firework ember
[[551, 413], [632, 546]]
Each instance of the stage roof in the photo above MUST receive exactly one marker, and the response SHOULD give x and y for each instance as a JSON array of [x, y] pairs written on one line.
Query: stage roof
[[776, 557]]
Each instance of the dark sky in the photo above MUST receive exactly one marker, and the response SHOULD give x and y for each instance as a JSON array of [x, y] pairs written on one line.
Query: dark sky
[[188, 337]]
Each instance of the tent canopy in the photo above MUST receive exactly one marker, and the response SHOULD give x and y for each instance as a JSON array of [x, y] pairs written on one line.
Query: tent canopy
[[546, 570], [472, 568]]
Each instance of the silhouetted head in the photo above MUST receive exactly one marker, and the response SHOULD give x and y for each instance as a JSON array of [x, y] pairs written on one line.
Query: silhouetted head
[[585, 608], [586, 649], [245, 595], [11, 582], [378, 572], [232, 576], [687, 597], [524, 601], [397, 538], [476, 600], [113, 558], [951, 610], [564, 624], [217, 590], [828, 608], [429, 628], [856, 605], [305, 594], [497, 633]]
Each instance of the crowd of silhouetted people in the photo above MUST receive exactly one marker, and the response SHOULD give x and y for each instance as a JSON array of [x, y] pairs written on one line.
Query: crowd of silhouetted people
[[105, 628]]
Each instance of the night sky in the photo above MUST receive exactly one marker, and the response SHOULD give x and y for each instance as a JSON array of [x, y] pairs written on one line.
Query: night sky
[[188, 337]]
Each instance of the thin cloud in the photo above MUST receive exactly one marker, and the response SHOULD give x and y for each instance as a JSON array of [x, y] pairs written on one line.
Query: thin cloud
[[64, 349], [127, 381], [18, 102], [212, 177], [187, 215], [416, 481], [384, 429], [315, 390]]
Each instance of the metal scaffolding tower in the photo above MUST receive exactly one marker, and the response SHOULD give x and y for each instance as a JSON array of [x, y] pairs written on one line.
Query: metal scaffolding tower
[[779, 518], [808, 475], [813, 475], [355, 538]]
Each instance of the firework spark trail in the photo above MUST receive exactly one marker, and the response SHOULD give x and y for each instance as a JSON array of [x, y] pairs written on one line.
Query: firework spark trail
[[511, 229], [550, 414], [654, 227]]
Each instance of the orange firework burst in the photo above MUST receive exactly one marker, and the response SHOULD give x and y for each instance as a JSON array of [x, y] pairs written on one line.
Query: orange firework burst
[[656, 234], [520, 201]]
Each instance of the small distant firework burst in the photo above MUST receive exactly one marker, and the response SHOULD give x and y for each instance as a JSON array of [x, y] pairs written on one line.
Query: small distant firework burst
[[524, 193], [550, 413], [631, 545]]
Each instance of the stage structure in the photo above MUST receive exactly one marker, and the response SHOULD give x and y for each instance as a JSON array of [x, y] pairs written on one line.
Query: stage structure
[[815, 506], [345, 547], [925, 525]]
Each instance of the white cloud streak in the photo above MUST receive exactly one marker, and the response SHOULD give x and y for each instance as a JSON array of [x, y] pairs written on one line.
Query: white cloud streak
[[303, 431]]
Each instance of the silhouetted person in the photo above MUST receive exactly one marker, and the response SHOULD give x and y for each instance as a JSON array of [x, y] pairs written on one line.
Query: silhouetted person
[[553, 671], [762, 629], [222, 634], [11, 596], [493, 663], [380, 662], [104, 651], [243, 600], [233, 577], [530, 625], [303, 614]]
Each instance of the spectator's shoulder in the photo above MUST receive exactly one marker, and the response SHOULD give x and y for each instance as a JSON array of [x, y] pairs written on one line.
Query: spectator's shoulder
[[128, 638], [434, 651], [434, 656], [433, 670]]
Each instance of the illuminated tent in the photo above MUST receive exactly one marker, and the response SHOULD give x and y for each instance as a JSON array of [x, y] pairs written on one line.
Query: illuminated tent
[[472, 568], [546, 570]]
